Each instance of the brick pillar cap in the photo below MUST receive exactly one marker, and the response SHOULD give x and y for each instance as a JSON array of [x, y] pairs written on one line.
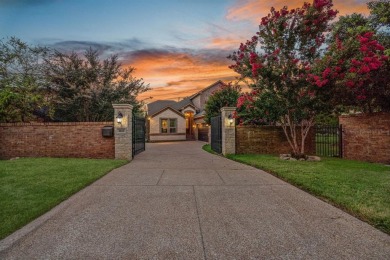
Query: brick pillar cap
[[122, 106]]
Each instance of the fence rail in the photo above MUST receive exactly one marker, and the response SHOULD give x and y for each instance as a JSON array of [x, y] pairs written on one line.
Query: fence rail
[[216, 134], [329, 140], [139, 133]]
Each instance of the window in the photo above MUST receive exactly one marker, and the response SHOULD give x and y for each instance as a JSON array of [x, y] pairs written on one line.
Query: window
[[164, 125], [168, 125], [172, 125]]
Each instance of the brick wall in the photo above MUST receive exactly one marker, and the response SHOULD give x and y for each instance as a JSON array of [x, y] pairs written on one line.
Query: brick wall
[[366, 137], [78, 140], [267, 140]]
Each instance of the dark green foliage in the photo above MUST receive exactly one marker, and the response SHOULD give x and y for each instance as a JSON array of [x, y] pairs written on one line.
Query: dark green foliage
[[327, 119], [226, 96], [22, 84], [84, 88]]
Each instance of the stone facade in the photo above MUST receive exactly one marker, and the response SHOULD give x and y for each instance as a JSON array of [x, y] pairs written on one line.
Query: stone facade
[[268, 140], [366, 137], [75, 140], [155, 133], [228, 131], [123, 132]]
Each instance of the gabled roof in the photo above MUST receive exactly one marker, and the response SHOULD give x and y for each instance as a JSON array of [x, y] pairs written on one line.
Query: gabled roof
[[168, 108], [207, 88], [159, 105], [183, 103]]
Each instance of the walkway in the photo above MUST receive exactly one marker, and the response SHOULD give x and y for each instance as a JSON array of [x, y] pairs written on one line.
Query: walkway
[[176, 201]]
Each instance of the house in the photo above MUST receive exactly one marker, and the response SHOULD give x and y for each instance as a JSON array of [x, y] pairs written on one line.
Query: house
[[169, 120]]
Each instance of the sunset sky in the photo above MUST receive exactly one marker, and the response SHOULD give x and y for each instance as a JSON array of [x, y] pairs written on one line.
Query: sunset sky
[[177, 46]]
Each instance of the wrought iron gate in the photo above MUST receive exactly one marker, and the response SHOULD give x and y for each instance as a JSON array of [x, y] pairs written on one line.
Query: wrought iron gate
[[139, 132], [329, 140], [216, 134]]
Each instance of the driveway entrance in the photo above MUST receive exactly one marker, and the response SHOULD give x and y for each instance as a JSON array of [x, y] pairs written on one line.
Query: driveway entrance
[[175, 201]]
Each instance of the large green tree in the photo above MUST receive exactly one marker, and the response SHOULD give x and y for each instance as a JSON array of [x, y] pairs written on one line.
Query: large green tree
[[22, 83], [225, 96], [84, 88]]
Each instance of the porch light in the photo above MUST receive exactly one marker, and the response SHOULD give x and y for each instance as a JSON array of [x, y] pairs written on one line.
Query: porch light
[[230, 117], [119, 118]]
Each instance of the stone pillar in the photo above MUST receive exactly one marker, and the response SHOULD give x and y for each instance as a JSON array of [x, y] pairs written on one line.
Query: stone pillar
[[123, 131], [228, 130]]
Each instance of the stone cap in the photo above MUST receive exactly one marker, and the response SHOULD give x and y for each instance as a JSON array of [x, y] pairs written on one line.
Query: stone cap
[[228, 109], [122, 106]]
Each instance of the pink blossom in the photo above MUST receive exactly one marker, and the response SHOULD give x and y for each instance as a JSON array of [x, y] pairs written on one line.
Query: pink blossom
[[350, 84]]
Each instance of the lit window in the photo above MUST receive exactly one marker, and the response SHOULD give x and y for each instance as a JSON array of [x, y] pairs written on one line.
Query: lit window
[[164, 125], [168, 125]]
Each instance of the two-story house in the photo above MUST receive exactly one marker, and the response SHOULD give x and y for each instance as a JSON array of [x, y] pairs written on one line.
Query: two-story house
[[169, 120]]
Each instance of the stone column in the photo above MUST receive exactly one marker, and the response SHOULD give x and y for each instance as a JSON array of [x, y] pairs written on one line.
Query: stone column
[[123, 131], [228, 130]]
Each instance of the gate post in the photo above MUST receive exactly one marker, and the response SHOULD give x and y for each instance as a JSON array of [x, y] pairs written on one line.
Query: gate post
[[123, 131], [228, 130]]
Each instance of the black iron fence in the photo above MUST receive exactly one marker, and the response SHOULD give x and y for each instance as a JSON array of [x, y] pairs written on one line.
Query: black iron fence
[[139, 133], [329, 140], [216, 134]]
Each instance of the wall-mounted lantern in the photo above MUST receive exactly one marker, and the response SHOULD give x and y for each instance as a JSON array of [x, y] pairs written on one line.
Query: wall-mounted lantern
[[119, 118], [230, 119]]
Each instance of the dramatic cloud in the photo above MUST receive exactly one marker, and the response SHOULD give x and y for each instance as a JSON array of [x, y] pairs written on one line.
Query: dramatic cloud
[[177, 73], [253, 10], [104, 48]]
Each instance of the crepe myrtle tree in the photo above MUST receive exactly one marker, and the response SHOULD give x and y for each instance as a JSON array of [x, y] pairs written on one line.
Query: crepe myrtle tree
[[356, 64], [224, 96], [357, 70], [277, 61]]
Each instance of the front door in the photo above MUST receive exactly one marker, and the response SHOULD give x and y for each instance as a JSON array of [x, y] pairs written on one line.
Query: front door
[[190, 126]]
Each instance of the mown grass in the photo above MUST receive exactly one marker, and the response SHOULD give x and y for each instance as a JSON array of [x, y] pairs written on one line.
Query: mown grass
[[30, 187], [360, 188]]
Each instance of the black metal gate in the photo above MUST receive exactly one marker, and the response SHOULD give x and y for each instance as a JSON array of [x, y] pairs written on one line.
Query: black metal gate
[[139, 132], [216, 134], [329, 140]]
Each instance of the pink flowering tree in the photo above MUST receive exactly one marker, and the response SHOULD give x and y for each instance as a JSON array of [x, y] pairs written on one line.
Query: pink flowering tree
[[277, 63], [357, 70]]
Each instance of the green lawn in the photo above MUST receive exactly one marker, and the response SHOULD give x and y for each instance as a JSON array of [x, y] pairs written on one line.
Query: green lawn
[[360, 188], [30, 187]]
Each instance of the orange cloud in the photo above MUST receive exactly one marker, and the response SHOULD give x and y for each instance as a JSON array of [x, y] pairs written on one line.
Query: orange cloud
[[225, 42], [178, 74], [254, 10]]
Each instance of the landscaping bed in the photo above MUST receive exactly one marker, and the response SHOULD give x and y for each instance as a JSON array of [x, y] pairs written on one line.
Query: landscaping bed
[[30, 187], [360, 188]]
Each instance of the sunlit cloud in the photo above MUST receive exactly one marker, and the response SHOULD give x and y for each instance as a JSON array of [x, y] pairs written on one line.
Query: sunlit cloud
[[179, 73], [254, 10]]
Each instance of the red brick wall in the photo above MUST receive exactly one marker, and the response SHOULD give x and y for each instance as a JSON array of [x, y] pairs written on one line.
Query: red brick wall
[[78, 140], [366, 137], [267, 140]]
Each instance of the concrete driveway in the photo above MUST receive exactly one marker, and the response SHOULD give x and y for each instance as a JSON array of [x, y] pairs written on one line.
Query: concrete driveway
[[176, 201]]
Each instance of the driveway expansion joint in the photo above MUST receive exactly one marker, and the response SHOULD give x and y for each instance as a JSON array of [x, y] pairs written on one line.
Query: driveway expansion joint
[[199, 222]]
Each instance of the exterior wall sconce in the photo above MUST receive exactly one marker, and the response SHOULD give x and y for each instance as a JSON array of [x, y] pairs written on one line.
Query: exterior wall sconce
[[230, 119], [119, 118]]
